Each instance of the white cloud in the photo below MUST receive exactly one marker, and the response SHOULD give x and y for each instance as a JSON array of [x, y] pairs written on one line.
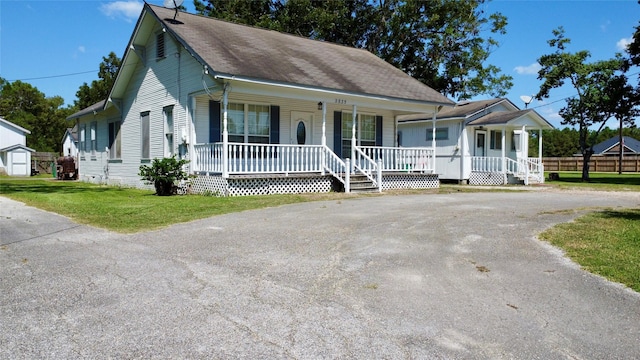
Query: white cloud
[[605, 26], [550, 114], [81, 48], [129, 10], [623, 43], [528, 70]]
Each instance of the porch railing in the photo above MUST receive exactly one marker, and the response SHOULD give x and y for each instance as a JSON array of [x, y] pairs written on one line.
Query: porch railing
[[523, 168], [261, 158], [285, 159], [367, 166], [401, 159]]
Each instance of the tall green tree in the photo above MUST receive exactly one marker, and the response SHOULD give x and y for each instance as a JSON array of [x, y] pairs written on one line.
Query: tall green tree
[[26, 106], [441, 43], [99, 89], [592, 106]]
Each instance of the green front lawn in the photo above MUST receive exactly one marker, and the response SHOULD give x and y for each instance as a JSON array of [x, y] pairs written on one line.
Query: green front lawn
[[598, 181], [129, 210], [606, 243]]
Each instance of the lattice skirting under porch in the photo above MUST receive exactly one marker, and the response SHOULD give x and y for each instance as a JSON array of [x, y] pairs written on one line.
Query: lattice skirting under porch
[[410, 181], [486, 178], [243, 186]]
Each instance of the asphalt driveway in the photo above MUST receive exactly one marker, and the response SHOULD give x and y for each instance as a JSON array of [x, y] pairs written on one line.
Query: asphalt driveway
[[412, 276]]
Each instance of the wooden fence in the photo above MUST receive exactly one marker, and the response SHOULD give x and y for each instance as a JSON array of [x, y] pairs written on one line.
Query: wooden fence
[[42, 161], [630, 163]]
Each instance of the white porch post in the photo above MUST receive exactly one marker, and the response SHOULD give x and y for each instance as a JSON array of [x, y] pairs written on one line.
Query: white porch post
[[433, 142], [225, 136], [540, 145], [353, 137], [525, 161], [540, 166], [504, 153], [324, 136]]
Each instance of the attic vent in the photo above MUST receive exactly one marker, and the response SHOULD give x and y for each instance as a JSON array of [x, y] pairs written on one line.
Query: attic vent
[[160, 45]]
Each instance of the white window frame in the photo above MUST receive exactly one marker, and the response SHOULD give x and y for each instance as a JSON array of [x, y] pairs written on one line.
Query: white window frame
[[93, 126], [495, 139], [145, 135], [248, 135], [114, 130], [83, 134], [439, 132], [169, 142], [346, 141]]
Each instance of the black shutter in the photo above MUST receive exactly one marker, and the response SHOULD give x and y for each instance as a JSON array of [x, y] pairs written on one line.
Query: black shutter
[[378, 130], [337, 133], [274, 128], [214, 121]]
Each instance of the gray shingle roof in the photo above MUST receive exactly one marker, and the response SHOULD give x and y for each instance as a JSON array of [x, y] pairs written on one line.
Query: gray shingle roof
[[464, 109], [97, 107], [499, 117], [629, 142], [233, 49]]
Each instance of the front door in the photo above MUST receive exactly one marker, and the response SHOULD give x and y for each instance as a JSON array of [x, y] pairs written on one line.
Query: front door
[[521, 144], [481, 143], [301, 128]]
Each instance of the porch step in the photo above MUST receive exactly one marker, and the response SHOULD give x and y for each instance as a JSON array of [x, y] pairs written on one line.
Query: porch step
[[360, 183]]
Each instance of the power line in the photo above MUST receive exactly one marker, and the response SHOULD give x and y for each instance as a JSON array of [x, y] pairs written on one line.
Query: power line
[[55, 76]]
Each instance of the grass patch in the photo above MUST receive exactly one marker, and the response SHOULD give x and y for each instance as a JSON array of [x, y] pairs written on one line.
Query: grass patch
[[605, 242], [129, 210], [598, 181]]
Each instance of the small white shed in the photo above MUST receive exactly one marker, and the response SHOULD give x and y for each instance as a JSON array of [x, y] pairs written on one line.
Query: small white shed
[[70, 142], [15, 156]]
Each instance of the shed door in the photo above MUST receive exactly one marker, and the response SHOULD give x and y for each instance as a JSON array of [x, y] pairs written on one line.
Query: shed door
[[480, 143], [19, 163]]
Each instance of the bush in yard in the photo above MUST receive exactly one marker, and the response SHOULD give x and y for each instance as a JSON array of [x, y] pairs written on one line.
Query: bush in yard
[[164, 174]]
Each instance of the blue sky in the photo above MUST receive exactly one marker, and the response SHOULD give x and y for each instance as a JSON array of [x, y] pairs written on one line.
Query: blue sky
[[58, 45]]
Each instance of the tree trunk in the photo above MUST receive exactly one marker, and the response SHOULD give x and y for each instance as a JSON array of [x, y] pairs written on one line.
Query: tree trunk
[[586, 158]]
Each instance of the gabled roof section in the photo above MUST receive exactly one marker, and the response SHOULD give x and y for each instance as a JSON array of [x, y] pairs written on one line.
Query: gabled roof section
[[243, 52], [629, 143], [507, 117], [19, 128], [73, 134], [16, 146], [469, 108], [95, 108]]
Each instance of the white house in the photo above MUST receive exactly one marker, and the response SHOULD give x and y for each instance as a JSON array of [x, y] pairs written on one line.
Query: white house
[[480, 142], [70, 142], [15, 156], [255, 111]]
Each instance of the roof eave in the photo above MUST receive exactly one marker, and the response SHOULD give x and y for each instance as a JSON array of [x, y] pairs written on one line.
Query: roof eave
[[233, 77]]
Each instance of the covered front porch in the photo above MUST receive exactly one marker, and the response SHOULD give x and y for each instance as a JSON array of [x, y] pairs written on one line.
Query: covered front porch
[[508, 160], [373, 168]]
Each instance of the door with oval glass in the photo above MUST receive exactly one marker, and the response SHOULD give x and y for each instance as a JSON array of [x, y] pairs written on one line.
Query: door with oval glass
[[301, 128]]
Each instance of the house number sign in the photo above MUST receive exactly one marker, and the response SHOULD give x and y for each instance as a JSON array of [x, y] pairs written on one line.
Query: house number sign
[[340, 101]]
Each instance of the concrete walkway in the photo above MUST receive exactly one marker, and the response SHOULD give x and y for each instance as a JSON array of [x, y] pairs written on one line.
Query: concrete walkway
[[410, 276]]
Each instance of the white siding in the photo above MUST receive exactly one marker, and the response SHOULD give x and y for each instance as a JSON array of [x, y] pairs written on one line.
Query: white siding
[[11, 136], [448, 152], [287, 106]]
